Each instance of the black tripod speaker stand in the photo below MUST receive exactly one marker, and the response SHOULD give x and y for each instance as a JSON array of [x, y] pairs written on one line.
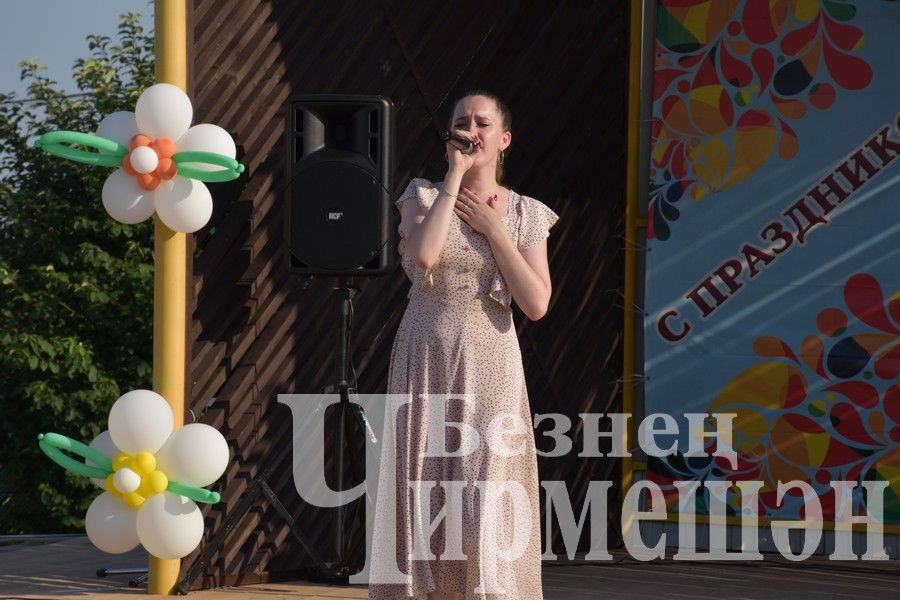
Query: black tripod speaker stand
[[332, 572]]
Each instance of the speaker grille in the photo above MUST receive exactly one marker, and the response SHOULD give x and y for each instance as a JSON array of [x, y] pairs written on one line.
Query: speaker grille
[[333, 207]]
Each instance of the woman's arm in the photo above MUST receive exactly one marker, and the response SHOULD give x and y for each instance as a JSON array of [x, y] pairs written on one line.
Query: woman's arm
[[526, 272], [425, 230]]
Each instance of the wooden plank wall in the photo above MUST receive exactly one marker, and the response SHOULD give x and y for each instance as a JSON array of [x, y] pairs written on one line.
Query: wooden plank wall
[[259, 331]]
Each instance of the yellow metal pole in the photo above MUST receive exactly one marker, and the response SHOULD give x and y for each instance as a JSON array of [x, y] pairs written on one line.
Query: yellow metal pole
[[631, 230], [170, 277]]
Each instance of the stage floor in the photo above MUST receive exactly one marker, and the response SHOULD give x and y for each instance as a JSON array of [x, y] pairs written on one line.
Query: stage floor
[[67, 569]]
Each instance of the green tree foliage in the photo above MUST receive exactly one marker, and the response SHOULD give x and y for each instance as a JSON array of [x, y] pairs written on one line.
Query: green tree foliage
[[76, 287]]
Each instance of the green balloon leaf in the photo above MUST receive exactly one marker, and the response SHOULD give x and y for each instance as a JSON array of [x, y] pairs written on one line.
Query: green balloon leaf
[[231, 169], [60, 143], [196, 494], [55, 446]]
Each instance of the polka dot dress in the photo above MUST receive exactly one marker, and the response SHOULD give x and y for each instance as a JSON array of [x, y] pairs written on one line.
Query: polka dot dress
[[457, 337]]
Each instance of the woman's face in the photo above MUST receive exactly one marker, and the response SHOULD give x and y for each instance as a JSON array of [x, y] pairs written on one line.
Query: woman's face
[[479, 115]]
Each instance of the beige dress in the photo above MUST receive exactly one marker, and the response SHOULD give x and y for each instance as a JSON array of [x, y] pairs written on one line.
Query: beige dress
[[457, 337]]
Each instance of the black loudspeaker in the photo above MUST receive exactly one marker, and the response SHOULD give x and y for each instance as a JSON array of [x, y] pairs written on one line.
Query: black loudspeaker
[[340, 168]]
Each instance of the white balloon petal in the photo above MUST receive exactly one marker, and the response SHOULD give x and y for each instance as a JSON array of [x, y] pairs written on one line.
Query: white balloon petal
[[207, 138], [169, 525], [111, 526], [125, 200], [119, 127], [104, 445], [196, 454], [140, 421], [183, 204], [163, 110]]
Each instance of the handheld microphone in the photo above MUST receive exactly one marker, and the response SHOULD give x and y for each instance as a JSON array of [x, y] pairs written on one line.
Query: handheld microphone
[[465, 146]]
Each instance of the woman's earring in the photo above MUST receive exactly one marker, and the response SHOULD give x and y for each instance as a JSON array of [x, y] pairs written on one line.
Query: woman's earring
[[446, 157], [500, 160]]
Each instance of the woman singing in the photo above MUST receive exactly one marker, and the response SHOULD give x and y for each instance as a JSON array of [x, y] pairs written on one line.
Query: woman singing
[[470, 246]]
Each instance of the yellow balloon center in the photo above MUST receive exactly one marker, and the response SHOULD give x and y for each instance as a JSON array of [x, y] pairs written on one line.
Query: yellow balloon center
[[153, 481]]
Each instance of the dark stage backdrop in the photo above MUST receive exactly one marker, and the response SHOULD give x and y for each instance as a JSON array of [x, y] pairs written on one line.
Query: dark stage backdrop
[[258, 331]]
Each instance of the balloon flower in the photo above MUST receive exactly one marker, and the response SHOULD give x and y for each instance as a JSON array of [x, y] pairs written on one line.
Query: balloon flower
[[162, 161], [153, 476]]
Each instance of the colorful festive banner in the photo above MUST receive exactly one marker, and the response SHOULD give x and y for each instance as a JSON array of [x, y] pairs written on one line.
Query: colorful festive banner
[[773, 281]]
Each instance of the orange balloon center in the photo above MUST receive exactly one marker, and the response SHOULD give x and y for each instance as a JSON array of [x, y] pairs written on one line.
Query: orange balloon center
[[166, 168]]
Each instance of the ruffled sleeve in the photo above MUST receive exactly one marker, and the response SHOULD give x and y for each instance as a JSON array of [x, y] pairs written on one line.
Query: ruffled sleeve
[[532, 224], [536, 220], [423, 192], [499, 292]]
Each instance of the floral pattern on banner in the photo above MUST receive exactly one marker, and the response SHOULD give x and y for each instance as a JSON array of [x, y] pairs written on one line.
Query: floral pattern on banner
[[730, 76], [828, 409]]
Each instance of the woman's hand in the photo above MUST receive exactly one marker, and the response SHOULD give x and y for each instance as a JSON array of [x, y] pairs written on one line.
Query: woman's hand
[[481, 215], [460, 162]]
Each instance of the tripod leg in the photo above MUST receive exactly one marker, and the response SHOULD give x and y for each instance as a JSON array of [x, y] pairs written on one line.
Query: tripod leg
[[247, 500], [269, 493]]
